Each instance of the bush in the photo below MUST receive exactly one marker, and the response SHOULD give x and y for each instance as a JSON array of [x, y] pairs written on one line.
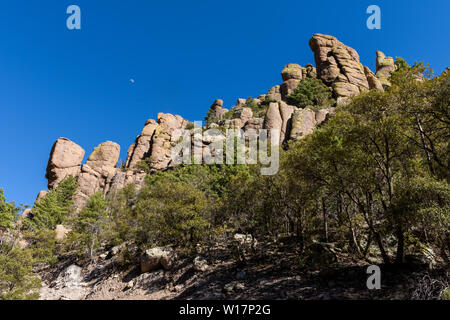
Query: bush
[[310, 92]]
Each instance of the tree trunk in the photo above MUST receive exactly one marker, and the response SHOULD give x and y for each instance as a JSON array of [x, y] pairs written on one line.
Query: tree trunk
[[400, 245], [380, 245], [325, 222], [424, 145]]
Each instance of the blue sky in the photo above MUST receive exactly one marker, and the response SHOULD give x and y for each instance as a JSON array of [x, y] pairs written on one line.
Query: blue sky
[[182, 54]]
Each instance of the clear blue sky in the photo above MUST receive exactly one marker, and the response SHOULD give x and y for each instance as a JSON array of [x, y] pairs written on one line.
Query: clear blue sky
[[182, 54]]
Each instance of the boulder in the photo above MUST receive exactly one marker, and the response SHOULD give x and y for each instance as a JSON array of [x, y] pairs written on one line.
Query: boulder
[[278, 116], [245, 241], [242, 113], [65, 159], [104, 157], [217, 111], [72, 276], [61, 232], [200, 264], [320, 254], [157, 258], [292, 71]]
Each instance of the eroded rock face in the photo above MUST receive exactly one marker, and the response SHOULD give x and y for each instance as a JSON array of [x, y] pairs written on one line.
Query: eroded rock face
[[385, 65], [288, 87], [292, 71], [274, 93], [65, 159], [338, 66], [98, 172], [140, 150], [278, 117], [309, 71], [374, 82], [40, 195], [218, 109], [304, 121], [273, 118], [162, 143], [292, 74]]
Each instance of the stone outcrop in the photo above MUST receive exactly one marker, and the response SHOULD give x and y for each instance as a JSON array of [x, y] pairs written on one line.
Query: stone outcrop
[[292, 74], [274, 94], [65, 160], [292, 71], [374, 82], [304, 121], [385, 65], [278, 117], [338, 66], [309, 71], [98, 171], [40, 195], [162, 141], [141, 148], [218, 109], [157, 258]]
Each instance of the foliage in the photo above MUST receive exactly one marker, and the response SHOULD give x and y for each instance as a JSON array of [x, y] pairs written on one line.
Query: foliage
[[171, 212], [54, 207], [17, 281], [310, 92], [42, 245], [8, 213], [401, 63], [90, 224], [143, 166]]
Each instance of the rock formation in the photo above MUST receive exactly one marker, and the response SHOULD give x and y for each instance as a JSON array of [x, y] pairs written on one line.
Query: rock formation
[[98, 171], [337, 65], [65, 160], [385, 65]]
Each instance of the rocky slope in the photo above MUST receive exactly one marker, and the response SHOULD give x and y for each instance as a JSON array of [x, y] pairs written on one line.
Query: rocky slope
[[269, 272], [337, 65]]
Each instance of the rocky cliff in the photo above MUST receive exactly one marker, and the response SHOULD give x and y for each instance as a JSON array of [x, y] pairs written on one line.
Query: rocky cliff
[[337, 66]]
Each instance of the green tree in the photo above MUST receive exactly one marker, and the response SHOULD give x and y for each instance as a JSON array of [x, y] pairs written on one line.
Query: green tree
[[53, 209], [8, 213], [17, 280], [90, 224], [310, 92], [171, 212]]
